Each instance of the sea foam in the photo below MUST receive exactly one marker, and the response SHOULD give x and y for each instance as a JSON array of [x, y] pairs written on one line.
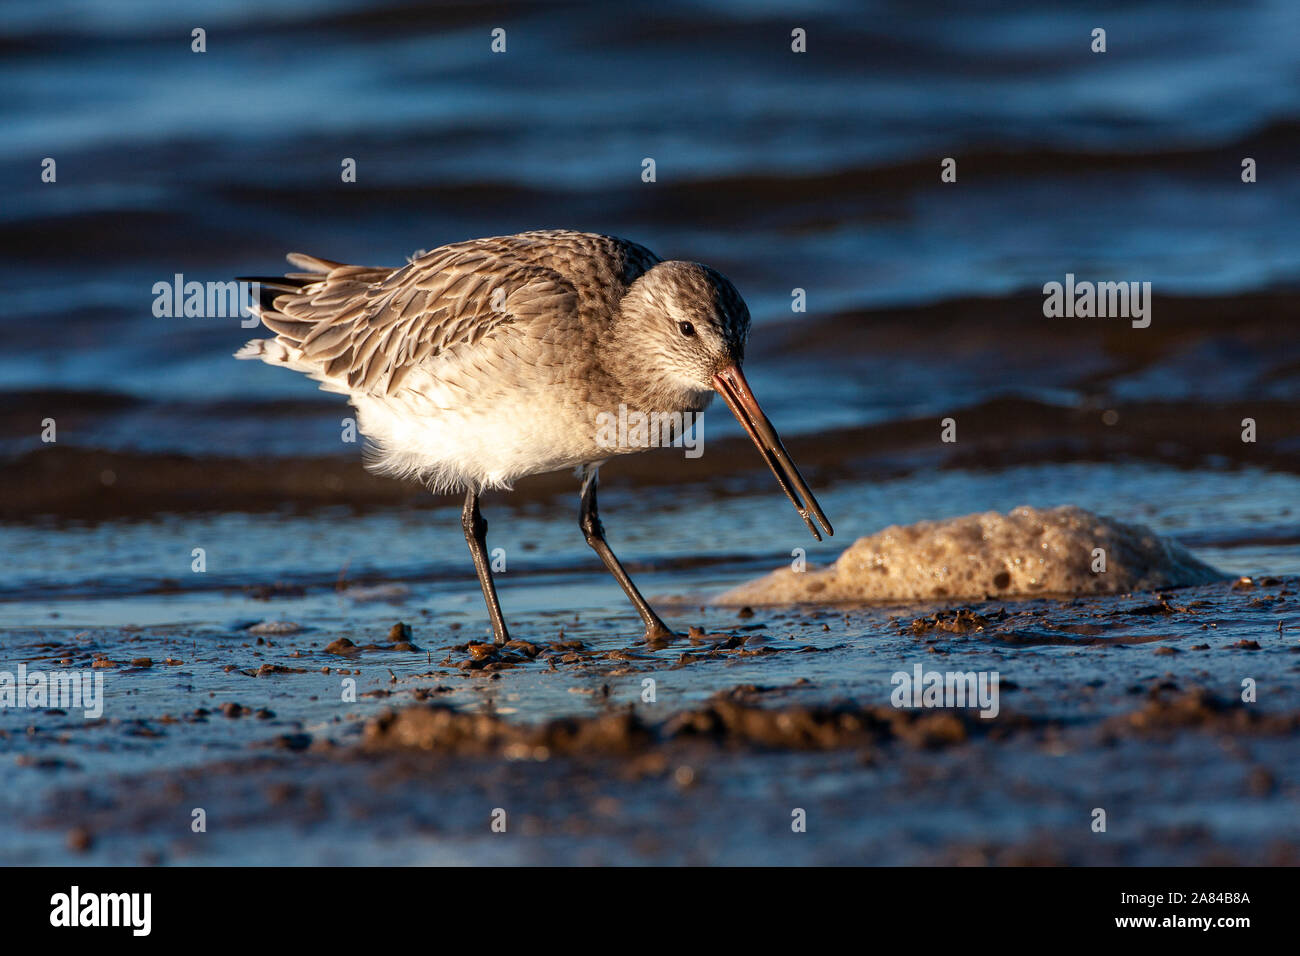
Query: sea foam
[[1027, 552]]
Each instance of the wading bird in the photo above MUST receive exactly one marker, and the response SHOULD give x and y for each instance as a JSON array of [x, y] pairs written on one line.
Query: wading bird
[[485, 361]]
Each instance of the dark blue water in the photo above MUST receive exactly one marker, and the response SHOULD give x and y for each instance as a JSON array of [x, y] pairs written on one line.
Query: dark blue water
[[818, 170]]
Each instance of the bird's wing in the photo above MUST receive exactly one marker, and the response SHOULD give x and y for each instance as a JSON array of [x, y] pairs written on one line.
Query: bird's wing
[[370, 326]]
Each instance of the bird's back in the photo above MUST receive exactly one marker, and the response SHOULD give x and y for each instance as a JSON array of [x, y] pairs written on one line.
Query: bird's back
[[449, 357], [363, 329]]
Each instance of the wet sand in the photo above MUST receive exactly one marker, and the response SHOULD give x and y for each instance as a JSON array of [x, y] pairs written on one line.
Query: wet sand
[[1130, 703]]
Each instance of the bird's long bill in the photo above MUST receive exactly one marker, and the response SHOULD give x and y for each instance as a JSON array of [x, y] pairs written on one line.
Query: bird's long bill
[[731, 385]]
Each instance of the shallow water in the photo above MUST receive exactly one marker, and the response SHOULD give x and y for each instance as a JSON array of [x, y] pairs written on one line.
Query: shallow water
[[65, 605], [1242, 521], [131, 779], [815, 172]]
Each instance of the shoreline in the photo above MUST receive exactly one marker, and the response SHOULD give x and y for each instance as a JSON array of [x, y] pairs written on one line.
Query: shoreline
[[97, 485], [555, 729], [1068, 390]]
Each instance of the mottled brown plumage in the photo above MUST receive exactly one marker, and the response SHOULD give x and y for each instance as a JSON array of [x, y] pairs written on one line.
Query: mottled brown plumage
[[484, 361], [370, 326]]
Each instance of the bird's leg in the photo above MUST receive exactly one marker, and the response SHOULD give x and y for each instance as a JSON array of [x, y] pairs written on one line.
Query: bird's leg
[[589, 521], [471, 519]]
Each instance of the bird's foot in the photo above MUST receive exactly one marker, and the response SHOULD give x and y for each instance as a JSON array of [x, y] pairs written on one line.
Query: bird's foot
[[659, 634]]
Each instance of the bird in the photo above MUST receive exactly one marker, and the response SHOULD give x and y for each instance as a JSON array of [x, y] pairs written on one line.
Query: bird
[[484, 361]]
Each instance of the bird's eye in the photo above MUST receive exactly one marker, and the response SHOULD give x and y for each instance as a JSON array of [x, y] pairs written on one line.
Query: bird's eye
[[686, 328]]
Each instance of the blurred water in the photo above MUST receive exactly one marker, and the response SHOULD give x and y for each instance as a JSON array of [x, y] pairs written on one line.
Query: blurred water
[[817, 171], [814, 170]]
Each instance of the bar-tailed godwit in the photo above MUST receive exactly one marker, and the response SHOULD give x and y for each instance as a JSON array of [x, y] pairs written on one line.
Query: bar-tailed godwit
[[485, 361]]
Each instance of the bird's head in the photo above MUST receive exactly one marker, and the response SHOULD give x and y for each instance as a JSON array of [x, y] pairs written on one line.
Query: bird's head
[[688, 323], [684, 327]]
